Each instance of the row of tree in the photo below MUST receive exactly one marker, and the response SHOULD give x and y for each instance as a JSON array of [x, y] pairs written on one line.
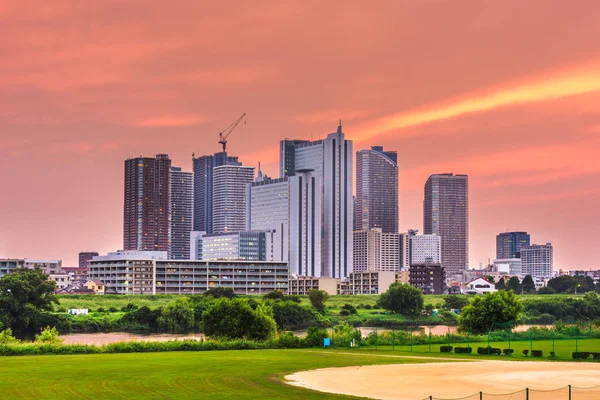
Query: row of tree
[[561, 284]]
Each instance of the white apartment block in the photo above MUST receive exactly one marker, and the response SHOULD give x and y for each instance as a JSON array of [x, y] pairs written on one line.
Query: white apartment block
[[511, 266], [537, 260], [376, 251], [426, 249], [371, 282]]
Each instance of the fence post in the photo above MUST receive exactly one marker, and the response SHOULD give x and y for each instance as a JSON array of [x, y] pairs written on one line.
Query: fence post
[[393, 343], [576, 344], [448, 336], [526, 393], [509, 333], [480, 395], [468, 339], [488, 346], [530, 343], [553, 343], [569, 392], [430, 339]]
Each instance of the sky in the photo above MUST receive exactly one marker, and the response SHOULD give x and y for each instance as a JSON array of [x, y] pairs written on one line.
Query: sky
[[507, 92]]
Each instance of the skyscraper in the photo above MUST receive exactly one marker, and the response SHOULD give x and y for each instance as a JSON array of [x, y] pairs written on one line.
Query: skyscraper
[[330, 162], [203, 188], [508, 244], [375, 250], [287, 157], [229, 197], [146, 203], [446, 213], [376, 190], [537, 260], [181, 211]]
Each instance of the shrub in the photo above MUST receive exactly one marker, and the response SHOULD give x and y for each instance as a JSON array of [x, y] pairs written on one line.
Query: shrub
[[350, 308], [464, 350], [317, 299], [489, 350], [48, 335], [100, 309], [6, 337], [274, 295], [113, 309], [315, 336], [291, 315], [290, 341], [581, 355], [130, 307], [368, 307], [525, 352], [596, 356], [344, 312], [508, 352], [219, 292], [445, 349], [235, 319], [537, 353]]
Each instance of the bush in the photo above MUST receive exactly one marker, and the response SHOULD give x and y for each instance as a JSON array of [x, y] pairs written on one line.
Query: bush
[[525, 352], [177, 316], [581, 355], [6, 337], [508, 352], [130, 307], [344, 312], [445, 349], [368, 307], [489, 350], [112, 309], [537, 353], [596, 356], [291, 315], [317, 299], [350, 308], [315, 336], [290, 341], [48, 335], [464, 350], [219, 292], [100, 309], [235, 319]]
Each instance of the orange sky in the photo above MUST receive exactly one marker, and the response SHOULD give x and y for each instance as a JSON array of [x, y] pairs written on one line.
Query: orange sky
[[506, 92]]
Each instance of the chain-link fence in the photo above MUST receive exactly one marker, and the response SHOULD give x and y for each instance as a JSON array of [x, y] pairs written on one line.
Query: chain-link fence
[[565, 393], [539, 342]]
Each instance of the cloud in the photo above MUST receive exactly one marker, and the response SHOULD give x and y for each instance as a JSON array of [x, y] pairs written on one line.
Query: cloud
[[561, 84], [170, 121]]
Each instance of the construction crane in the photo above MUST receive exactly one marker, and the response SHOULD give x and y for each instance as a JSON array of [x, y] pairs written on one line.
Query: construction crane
[[223, 135]]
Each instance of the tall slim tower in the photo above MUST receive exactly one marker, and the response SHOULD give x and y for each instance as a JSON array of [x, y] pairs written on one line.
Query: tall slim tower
[[181, 210], [229, 197], [146, 203], [203, 188], [376, 190], [446, 213], [287, 157], [330, 162]]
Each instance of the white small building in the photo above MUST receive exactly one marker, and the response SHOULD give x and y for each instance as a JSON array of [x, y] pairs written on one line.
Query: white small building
[[480, 286]]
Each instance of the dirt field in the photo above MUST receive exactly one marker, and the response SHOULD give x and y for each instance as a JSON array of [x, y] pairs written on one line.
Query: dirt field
[[454, 380]]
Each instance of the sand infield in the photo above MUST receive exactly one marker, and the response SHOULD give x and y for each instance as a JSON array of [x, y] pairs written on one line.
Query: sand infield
[[454, 380]]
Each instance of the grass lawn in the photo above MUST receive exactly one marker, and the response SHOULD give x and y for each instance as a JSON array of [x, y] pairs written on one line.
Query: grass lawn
[[246, 374], [563, 348]]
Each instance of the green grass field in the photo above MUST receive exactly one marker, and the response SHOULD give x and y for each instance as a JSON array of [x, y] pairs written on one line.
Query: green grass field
[[249, 374]]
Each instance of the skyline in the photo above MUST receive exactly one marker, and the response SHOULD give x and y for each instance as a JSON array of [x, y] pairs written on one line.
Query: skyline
[[508, 98]]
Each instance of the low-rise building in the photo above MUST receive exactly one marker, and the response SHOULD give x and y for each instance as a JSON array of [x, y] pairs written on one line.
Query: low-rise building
[[480, 286], [62, 279], [141, 274], [8, 265], [371, 282], [430, 278], [403, 276], [96, 285], [301, 285], [49, 267]]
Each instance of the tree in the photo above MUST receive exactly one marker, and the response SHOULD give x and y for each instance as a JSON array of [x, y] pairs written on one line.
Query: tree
[[274, 295], [514, 284], [235, 319], [487, 312], [402, 299], [177, 316], [317, 299], [528, 285], [455, 301], [25, 296], [218, 292], [501, 285], [291, 315], [547, 290], [490, 278], [561, 283]]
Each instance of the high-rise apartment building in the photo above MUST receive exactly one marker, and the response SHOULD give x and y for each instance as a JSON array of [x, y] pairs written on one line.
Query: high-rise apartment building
[[85, 257], [203, 188], [375, 250], [330, 162], [376, 190], [146, 203], [537, 260], [229, 197], [405, 250], [446, 213], [181, 211], [425, 249], [508, 244]]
